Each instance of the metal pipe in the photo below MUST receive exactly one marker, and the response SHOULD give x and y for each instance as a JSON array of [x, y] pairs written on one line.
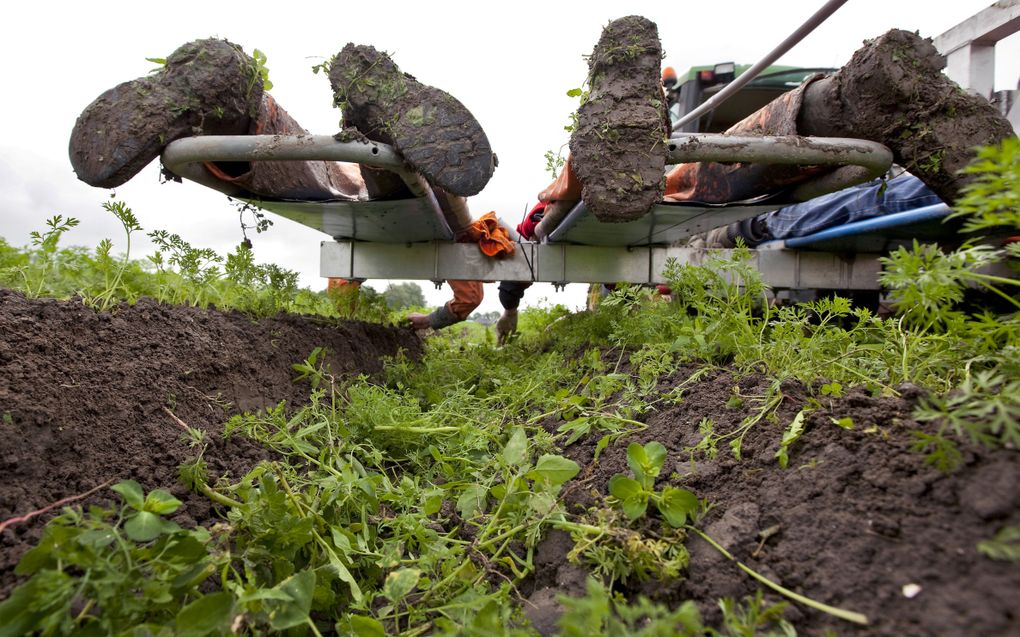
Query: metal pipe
[[278, 148], [184, 157], [820, 16], [792, 149]]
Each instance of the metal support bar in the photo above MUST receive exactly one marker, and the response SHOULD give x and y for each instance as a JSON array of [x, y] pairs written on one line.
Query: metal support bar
[[556, 263], [185, 157], [860, 160], [809, 25], [792, 149], [969, 47], [278, 148]]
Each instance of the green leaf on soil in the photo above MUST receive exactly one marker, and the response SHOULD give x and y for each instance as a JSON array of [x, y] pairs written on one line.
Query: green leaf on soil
[[646, 462], [472, 501], [621, 487], [161, 502], [554, 469], [206, 615], [363, 626], [790, 436], [399, 583], [145, 526], [631, 495], [1004, 546], [132, 493], [298, 589], [516, 451], [677, 505]]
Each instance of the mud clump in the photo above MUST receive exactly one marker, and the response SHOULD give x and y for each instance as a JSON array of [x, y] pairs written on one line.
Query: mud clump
[[893, 91], [431, 129], [618, 150], [206, 87]]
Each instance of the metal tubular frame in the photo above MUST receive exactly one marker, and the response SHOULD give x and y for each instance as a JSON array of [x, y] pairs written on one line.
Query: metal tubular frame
[[184, 157]]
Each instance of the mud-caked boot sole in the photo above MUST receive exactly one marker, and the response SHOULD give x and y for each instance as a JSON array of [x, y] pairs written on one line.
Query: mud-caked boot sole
[[206, 87], [893, 92], [436, 134], [618, 149]]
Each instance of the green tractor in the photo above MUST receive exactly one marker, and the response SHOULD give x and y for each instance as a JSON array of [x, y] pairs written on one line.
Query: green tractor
[[686, 93]]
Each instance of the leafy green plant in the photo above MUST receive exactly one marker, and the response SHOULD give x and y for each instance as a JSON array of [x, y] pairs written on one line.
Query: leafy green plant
[[1004, 546], [108, 571], [753, 617], [42, 260], [114, 273], [601, 612], [674, 504], [991, 201], [258, 71], [927, 283], [792, 434], [197, 266], [984, 409]]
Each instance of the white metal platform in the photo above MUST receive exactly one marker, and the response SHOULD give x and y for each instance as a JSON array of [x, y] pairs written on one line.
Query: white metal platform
[[565, 263]]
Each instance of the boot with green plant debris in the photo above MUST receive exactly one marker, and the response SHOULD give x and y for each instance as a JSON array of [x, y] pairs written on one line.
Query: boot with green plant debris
[[206, 87], [618, 149], [432, 130], [893, 92]]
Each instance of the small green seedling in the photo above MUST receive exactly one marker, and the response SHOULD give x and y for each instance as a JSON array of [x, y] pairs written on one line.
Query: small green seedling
[[790, 436], [645, 462], [145, 522]]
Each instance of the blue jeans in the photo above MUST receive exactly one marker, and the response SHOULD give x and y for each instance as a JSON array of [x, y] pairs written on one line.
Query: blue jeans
[[856, 203]]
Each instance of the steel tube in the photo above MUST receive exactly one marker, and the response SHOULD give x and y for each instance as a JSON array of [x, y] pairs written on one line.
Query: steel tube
[[819, 17], [278, 148]]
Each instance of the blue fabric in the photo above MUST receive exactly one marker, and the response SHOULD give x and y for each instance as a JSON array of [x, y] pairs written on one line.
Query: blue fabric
[[856, 203]]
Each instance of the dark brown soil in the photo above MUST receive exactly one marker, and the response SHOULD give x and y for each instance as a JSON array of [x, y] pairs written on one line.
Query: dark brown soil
[[892, 91], [859, 515], [618, 149], [83, 395]]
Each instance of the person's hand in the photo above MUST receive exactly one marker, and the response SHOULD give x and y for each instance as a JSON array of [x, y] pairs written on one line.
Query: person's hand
[[419, 321], [505, 326]]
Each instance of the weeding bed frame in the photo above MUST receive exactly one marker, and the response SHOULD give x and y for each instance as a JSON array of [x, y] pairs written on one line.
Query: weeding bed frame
[[410, 239]]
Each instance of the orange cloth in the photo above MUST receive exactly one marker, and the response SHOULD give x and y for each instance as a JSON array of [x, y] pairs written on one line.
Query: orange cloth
[[337, 283], [467, 295], [492, 239]]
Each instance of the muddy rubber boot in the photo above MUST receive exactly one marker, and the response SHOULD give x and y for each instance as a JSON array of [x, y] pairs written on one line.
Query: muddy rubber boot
[[893, 92], [618, 149], [206, 87], [436, 134]]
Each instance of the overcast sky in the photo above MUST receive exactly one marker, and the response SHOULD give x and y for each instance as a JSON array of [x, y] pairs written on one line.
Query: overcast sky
[[511, 64]]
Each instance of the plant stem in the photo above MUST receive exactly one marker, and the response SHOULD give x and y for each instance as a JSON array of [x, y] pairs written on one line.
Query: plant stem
[[847, 615], [31, 514], [218, 497]]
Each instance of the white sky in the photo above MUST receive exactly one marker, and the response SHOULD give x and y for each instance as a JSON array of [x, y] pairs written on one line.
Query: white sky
[[510, 63]]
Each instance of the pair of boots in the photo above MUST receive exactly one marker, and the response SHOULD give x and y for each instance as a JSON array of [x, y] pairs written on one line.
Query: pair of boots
[[211, 87], [891, 92]]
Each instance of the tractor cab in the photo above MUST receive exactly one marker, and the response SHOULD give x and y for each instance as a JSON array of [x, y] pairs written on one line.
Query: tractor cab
[[702, 82]]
